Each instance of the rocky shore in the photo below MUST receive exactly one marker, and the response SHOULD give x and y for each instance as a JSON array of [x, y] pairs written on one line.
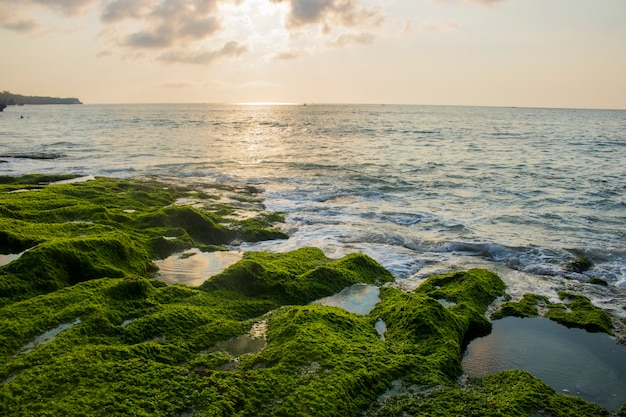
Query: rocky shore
[[86, 329]]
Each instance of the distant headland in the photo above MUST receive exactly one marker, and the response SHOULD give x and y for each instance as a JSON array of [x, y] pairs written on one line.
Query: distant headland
[[10, 99]]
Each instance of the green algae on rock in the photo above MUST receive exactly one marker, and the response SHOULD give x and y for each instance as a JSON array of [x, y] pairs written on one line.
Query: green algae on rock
[[105, 227], [526, 307], [577, 311], [146, 348]]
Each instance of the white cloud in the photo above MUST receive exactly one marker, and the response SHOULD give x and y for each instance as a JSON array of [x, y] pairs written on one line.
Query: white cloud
[[328, 13], [231, 49], [484, 3], [438, 25], [179, 30], [290, 54], [352, 38], [176, 84]]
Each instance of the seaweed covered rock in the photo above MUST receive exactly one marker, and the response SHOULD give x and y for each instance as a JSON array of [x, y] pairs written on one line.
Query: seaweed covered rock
[[575, 311], [526, 307], [578, 311], [66, 233], [302, 276], [129, 346]]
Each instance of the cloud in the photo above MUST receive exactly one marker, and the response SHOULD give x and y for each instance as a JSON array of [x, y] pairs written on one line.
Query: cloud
[[346, 13], [164, 23], [179, 30], [118, 10], [66, 7], [290, 54], [485, 3], [19, 25], [176, 84], [346, 39], [438, 25], [231, 49]]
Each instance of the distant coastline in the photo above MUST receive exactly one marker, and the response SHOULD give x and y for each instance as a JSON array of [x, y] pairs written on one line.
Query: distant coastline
[[10, 99]]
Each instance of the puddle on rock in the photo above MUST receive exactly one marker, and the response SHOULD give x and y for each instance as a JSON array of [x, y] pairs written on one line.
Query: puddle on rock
[[246, 344], [48, 336], [571, 361], [193, 267], [8, 258], [381, 328], [84, 178], [446, 303], [358, 298]]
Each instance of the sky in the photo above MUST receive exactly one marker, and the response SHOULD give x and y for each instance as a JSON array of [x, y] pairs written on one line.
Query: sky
[[535, 53]]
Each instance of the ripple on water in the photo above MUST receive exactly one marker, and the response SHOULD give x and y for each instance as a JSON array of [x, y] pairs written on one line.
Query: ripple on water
[[193, 267]]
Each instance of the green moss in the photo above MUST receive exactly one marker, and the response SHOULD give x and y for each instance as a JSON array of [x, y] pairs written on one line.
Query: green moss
[[597, 281], [302, 276], [102, 228], [579, 312], [476, 287], [526, 307], [580, 264], [141, 349], [505, 394], [36, 179]]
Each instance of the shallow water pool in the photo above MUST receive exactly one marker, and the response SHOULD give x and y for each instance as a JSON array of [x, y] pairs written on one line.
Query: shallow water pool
[[193, 267], [357, 298], [571, 361]]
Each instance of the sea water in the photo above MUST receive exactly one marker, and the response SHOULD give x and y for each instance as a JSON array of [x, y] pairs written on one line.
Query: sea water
[[419, 188]]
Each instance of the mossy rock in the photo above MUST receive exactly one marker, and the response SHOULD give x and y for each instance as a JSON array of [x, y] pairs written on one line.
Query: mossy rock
[[597, 281], [580, 264], [299, 276], [581, 313], [141, 349], [526, 307], [102, 228], [505, 394]]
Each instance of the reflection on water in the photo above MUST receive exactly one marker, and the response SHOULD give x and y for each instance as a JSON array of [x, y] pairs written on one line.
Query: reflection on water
[[252, 342], [381, 328], [193, 267], [571, 361], [48, 336], [358, 298], [5, 259]]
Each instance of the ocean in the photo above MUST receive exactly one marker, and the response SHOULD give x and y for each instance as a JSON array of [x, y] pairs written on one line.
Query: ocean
[[422, 189]]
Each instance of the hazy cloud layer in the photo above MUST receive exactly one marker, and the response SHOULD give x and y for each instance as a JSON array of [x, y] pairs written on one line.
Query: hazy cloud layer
[[346, 39], [486, 3], [180, 31], [348, 13], [164, 23], [290, 54], [231, 49], [438, 25]]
